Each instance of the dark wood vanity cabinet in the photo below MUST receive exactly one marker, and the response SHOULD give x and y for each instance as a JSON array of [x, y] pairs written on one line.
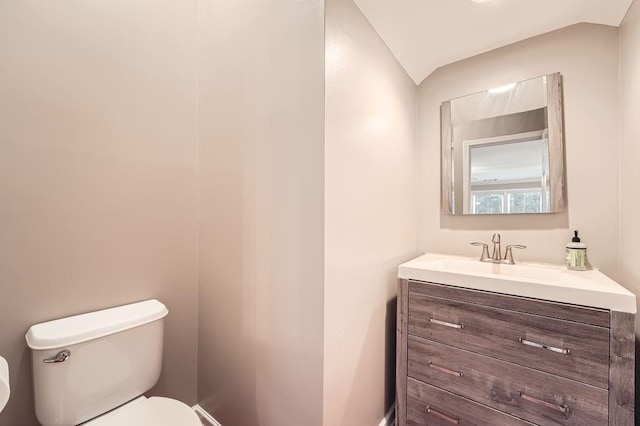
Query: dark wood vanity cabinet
[[471, 357]]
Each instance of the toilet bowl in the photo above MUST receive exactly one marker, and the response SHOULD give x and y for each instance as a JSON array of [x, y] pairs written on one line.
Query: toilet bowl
[[156, 411], [93, 369]]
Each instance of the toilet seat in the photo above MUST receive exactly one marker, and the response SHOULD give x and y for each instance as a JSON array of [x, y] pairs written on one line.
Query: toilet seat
[[154, 411]]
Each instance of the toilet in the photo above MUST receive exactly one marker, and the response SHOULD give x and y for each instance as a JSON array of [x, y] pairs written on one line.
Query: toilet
[[92, 369]]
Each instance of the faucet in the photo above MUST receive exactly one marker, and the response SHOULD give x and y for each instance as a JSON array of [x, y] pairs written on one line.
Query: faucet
[[496, 257], [497, 252]]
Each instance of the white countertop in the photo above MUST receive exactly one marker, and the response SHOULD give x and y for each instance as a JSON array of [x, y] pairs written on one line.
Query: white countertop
[[536, 280]]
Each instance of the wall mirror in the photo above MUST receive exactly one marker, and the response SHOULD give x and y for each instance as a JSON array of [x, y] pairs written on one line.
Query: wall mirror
[[503, 150]]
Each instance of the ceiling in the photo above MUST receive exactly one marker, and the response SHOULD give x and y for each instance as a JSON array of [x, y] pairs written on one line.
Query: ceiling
[[427, 34]]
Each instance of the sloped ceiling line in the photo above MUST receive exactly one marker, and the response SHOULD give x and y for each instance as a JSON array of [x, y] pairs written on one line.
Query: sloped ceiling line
[[427, 34]]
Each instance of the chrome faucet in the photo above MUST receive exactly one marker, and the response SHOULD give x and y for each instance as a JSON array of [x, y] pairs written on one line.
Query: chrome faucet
[[497, 251], [496, 257]]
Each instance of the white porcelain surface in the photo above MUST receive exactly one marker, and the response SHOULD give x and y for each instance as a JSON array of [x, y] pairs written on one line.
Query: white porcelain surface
[[100, 374], [5, 390], [541, 281], [92, 325], [155, 411]]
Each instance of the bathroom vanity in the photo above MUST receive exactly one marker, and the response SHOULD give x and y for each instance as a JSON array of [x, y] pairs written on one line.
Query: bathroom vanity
[[498, 344]]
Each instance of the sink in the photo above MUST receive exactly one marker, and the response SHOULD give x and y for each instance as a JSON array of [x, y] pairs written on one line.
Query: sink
[[469, 266], [535, 280]]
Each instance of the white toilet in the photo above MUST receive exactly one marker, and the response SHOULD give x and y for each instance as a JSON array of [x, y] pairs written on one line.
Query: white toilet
[[95, 367]]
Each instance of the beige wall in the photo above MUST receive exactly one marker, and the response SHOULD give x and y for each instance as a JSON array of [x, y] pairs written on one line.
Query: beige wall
[[370, 214], [587, 57], [300, 235], [98, 163], [630, 151], [261, 108]]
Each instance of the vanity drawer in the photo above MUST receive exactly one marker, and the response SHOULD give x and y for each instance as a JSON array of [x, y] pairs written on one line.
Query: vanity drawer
[[568, 349], [539, 397], [428, 405]]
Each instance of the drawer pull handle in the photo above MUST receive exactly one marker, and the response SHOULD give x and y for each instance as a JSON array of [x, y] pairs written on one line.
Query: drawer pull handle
[[541, 346], [446, 324], [443, 416], [562, 408], [444, 370]]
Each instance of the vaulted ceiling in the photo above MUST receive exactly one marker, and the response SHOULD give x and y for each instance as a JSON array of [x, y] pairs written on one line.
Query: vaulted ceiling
[[427, 34]]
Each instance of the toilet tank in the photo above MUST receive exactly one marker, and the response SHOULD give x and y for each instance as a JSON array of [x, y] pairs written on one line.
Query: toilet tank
[[114, 355]]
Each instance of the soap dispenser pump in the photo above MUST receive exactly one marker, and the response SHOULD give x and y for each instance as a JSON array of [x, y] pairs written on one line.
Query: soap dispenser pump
[[576, 254]]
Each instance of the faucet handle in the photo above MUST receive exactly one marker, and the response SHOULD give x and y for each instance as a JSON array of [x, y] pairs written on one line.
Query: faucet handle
[[518, 246], [508, 255], [485, 250]]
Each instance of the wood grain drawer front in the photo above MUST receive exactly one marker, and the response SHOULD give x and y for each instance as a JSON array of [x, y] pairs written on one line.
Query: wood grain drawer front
[[545, 308], [539, 397], [568, 349], [428, 405]]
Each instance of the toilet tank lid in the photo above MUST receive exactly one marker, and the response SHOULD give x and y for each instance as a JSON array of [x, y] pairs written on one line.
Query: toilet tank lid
[[81, 328]]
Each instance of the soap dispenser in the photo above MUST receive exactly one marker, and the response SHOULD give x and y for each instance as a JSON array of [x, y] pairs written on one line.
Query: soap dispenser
[[576, 254]]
